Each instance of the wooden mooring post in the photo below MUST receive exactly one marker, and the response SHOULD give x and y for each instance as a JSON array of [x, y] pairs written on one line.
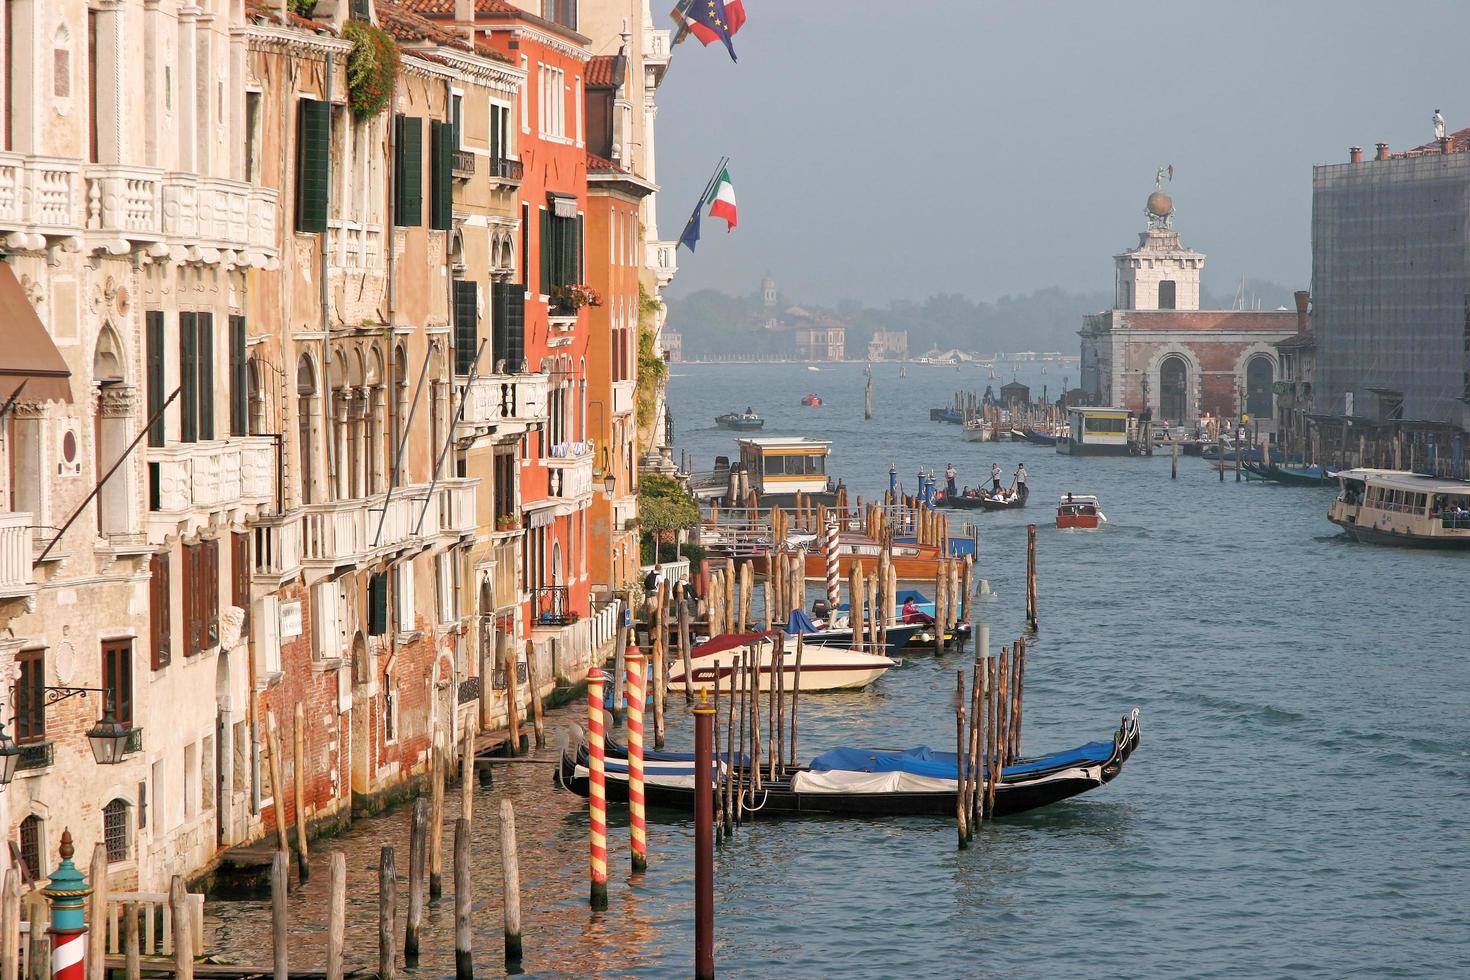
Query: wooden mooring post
[[280, 929], [387, 913], [178, 903], [336, 913], [533, 685], [1031, 575], [132, 955], [298, 776], [436, 816], [1220, 456], [96, 914], [1173, 460], [418, 850], [278, 784], [704, 843], [464, 951], [510, 864], [10, 925], [683, 601], [961, 825]]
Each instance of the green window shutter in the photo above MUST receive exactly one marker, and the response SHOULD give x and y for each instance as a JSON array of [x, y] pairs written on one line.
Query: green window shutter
[[466, 326], [495, 153], [313, 162], [153, 321], [188, 379], [239, 379], [408, 177], [546, 253], [576, 249], [499, 321], [378, 604], [515, 329], [441, 177], [204, 326]]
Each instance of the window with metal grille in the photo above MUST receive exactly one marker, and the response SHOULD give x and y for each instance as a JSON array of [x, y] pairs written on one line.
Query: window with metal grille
[[30, 844], [115, 830]]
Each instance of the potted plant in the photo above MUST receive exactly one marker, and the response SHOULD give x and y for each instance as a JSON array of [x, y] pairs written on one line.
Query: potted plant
[[574, 297], [505, 522]]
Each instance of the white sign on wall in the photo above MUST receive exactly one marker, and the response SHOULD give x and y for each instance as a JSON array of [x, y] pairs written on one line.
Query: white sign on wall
[[290, 619]]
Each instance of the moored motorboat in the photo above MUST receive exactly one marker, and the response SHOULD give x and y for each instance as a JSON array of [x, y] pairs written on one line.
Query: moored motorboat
[[979, 430], [861, 782], [740, 421], [822, 668], [837, 633], [950, 415], [1078, 511]]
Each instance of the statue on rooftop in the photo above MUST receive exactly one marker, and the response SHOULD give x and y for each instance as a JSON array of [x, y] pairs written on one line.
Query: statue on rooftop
[[1438, 125]]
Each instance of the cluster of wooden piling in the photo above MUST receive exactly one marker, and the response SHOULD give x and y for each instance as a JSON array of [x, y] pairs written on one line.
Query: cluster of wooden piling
[[993, 739]]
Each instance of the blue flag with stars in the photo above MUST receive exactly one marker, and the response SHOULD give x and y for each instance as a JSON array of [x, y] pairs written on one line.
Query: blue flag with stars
[[711, 13], [690, 236]]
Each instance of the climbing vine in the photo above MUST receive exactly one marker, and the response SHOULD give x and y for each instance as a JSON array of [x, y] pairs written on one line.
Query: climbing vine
[[371, 68], [652, 371]]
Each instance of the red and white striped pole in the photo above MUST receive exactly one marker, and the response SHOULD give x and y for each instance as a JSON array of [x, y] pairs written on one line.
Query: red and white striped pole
[[596, 788], [637, 830], [66, 893], [832, 576]]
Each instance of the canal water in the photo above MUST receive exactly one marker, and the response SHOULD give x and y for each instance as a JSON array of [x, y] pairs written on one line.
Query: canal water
[[1300, 802]]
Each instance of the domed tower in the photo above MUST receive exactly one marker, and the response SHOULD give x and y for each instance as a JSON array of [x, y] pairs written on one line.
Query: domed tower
[[1160, 274]]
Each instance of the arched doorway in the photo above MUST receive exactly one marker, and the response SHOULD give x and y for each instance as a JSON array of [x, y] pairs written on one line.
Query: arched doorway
[[1259, 375], [1174, 389]]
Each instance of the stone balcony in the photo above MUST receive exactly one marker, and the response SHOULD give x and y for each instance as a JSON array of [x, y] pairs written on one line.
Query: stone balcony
[[189, 482], [502, 403], [16, 577], [351, 533], [657, 48], [663, 259], [570, 466], [117, 208]]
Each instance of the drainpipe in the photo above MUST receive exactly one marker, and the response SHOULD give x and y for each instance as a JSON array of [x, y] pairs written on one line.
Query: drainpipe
[[325, 269]]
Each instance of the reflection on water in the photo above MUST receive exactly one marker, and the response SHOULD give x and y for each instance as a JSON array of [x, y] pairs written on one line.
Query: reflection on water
[[1296, 691]]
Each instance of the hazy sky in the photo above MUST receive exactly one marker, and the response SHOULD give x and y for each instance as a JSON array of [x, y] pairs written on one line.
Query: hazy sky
[[892, 149]]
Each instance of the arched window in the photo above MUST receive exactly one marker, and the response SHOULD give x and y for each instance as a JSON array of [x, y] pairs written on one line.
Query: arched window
[[115, 830], [1259, 374], [1174, 389], [32, 841], [257, 406], [306, 396]]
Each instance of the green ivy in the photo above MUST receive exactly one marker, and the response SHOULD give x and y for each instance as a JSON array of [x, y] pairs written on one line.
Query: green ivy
[[371, 68], [652, 370]]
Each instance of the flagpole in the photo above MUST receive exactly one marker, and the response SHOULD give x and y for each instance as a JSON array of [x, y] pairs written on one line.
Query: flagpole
[[704, 197]]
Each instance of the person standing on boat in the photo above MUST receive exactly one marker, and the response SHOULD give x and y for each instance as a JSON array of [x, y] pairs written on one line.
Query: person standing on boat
[[995, 478], [949, 475], [1021, 479]]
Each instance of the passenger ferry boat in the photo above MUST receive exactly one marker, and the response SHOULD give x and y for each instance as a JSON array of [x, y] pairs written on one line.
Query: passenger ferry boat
[[780, 467], [1078, 510], [1402, 508], [1098, 432]]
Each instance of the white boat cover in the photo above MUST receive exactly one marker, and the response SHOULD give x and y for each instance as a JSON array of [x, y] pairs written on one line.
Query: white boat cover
[[844, 781]]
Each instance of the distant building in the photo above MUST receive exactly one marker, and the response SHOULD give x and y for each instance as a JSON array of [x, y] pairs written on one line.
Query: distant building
[[889, 345], [820, 340], [1391, 276], [1297, 356], [673, 344], [1015, 394], [1157, 350]]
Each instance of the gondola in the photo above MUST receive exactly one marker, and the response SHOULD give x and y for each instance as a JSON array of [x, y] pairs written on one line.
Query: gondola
[[1038, 438], [740, 421], [981, 501], [1297, 476], [861, 782]]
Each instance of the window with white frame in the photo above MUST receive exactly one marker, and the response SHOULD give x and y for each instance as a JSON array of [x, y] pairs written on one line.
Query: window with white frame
[[447, 573], [266, 632], [403, 590], [552, 95], [525, 96]]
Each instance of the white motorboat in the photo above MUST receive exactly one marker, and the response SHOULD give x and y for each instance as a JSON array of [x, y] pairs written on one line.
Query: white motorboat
[[978, 430], [822, 668]]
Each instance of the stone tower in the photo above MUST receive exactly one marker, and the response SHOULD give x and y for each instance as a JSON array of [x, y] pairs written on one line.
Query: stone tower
[[768, 292], [1160, 274]]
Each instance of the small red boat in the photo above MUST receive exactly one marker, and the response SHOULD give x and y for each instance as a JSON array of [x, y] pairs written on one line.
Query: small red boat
[[1076, 510], [812, 401]]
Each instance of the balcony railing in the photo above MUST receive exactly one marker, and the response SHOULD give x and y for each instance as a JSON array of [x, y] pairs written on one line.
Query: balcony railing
[[16, 577], [39, 194], [571, 477], [36, 755], [512, 399], [550, 607], [504, 168], [469, 690], [134, 742], [277, 548], [345, 532], [462, 164], [213, 475], [457, 500]]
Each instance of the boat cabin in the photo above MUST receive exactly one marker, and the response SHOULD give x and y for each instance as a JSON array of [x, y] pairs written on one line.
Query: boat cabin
[[1404, 508], [1078, 510], [786, 465], [1093, 431]]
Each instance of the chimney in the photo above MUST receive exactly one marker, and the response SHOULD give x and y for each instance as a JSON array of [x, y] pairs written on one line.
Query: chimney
[[1444, 144], [1303, 318], [1355, 154], [1382, 152], [464, 15]]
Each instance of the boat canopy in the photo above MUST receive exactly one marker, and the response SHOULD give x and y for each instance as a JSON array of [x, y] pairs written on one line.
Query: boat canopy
[[799, 623], [727, 641], [924, 761]]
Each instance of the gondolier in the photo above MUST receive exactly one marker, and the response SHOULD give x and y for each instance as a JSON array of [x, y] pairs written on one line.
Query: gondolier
[[995, 478], [1021, 479], [949, 477]]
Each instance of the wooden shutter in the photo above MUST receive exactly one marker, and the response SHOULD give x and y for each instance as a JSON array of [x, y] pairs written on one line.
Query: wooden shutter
[[546, 252], [378, 604], [117, 678], [441, 176], [240, 572], [408, 174], [153, 321], [500, 322], [495, 150], [188, 379], [190, 592], [313, 161], [239, 379], [204, 350], [466, 325], [576, 244], [210, 608], [159, 621]]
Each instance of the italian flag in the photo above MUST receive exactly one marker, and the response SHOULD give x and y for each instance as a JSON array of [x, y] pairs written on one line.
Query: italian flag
[[722, 199]]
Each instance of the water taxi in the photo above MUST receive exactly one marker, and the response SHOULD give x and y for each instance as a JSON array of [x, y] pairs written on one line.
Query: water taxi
[[1403, 508], [1098, 432], [812, 401], [823, 668], [1079, 511]]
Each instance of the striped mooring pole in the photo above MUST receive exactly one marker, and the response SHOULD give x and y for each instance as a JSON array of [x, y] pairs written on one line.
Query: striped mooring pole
[[66, 893], [596, 788], [832, 578], [637, 830]]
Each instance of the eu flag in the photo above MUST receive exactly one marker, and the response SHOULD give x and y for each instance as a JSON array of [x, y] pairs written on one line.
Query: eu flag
[[712, 14]]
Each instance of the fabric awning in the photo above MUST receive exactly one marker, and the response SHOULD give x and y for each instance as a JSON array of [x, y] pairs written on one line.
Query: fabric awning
[[563, 205], [27, 353]]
